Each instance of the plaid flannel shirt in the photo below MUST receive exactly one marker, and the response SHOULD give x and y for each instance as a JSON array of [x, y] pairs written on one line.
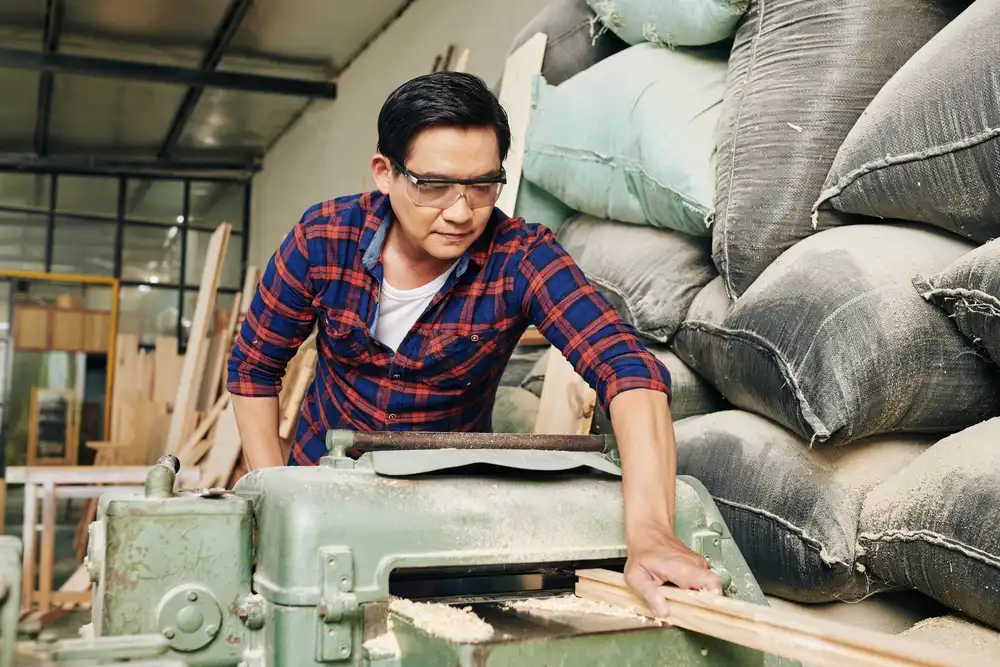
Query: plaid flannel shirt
[[445, 374]]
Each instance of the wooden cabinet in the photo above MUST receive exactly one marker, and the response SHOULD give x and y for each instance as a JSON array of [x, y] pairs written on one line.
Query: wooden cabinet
[[48, 328]]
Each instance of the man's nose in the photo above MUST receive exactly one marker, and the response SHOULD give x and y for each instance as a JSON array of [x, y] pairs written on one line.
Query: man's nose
[[458, 213]]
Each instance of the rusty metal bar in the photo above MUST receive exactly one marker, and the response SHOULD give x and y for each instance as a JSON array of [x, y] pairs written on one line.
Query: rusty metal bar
[[375, 441]]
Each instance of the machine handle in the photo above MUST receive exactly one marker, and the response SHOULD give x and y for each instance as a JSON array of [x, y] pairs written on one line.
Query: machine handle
[[339, 442]]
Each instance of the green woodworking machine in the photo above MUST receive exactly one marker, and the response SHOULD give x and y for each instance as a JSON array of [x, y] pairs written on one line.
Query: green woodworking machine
[[429, 549]]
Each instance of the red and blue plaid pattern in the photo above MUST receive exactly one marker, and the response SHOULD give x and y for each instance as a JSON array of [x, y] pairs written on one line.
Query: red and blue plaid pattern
[[445, 374]]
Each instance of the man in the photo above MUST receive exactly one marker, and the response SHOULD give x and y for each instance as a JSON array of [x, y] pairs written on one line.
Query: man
[[421, 291]]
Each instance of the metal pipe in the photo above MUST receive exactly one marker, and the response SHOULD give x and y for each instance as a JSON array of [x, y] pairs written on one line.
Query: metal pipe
[[161, 477], [339, 441]]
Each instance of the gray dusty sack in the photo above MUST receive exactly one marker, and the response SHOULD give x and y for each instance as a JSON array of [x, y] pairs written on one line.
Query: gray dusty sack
[[800, 74], [833, 342], [649, 275], [793, 510], [928, 146], [934, 525], [969, 291], [575, 39]]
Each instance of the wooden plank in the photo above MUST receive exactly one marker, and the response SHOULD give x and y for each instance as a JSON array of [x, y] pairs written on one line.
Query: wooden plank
[[533, 338], [224, 452], [567, 403], [204, 308], [190, 443], [793, 635], [167, 369], [515, 95], [90, 475]]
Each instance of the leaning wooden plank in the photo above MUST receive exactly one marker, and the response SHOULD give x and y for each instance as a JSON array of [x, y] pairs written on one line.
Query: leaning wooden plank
[[204, 308], [225, 451], [797, 636], [515, 95], [185, 451], [566, 406]]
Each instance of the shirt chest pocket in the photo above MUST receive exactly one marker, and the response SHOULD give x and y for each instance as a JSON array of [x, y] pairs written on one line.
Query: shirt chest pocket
[[454, 360], [349, 345]]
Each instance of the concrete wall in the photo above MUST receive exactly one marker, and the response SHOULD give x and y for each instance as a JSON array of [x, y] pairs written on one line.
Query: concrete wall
[[326, 153]]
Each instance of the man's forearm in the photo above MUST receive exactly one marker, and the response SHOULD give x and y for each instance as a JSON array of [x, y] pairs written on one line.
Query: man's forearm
[[257, 420], [649, 460]]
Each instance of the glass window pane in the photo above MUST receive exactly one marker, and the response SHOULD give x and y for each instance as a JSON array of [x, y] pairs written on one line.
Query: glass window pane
[[148, 311], [197, 248], [155, 200], [223, 304], [83, 246], [87, 195], [213, 203], [22, 241], [151, 254], [25, 190]]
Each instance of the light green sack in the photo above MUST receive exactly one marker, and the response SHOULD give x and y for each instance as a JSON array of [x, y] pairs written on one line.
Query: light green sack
[[671, 22], [632, 138]]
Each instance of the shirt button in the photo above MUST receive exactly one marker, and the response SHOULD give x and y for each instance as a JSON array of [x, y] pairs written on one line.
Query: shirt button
[[392, 418], [475, 338], [395, 376]]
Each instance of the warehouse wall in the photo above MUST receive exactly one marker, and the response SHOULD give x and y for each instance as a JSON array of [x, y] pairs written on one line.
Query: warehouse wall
[[326, 153]]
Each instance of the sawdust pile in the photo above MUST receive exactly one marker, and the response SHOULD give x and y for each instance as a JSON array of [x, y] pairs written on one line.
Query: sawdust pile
[[383, 646], [571, 604], [441, 620], [957, 633]]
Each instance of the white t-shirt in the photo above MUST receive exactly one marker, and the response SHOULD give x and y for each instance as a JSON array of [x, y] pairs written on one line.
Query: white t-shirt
[[399, 309]]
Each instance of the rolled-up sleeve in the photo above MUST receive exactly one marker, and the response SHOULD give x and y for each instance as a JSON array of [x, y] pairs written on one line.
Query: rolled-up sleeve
[[280, 318], [570, 312]]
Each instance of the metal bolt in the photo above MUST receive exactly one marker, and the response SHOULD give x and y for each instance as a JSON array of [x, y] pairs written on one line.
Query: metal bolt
[[169, 633], [345, 582], [211, 630], [345, 651], [332, 561], [715, 542], [716, 527], [192, 596]]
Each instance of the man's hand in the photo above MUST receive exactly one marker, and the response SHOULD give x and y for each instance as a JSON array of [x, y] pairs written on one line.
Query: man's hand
[[659, 558], [644, 431]]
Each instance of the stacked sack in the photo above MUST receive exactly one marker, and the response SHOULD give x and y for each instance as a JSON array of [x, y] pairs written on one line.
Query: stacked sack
[[794, 204]]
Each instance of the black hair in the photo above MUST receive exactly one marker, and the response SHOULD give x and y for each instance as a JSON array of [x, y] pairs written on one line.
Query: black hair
[[441, 99]]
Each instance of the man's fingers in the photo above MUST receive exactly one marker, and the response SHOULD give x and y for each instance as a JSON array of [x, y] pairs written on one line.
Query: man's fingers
[[687, 575], [648, 589]]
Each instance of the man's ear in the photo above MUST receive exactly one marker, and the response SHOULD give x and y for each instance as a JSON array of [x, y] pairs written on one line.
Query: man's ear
[[382, 173]]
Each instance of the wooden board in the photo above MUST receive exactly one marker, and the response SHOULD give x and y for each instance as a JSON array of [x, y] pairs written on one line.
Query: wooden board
[[515, 96], [567, 403], [794, 635], [193, 360]]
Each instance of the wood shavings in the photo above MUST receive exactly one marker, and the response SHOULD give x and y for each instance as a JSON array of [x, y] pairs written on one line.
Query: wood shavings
[[445, 621], [571, 604], [383, 646]]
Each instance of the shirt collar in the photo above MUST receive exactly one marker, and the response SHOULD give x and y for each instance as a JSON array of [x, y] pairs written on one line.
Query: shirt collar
[[379, 219]]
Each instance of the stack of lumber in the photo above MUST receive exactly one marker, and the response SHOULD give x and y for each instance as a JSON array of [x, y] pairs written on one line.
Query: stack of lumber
[[164, 402]]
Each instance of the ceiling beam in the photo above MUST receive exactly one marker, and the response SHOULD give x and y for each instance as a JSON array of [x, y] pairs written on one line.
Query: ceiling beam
[[50, 42], [129, 69], [204, 168], [224, 35]]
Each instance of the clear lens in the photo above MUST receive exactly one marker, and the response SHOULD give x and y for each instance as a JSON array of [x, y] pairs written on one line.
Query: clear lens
[[444, 195]]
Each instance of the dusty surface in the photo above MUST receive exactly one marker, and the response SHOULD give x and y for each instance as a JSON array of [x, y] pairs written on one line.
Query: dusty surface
[[956, 633], [441, 620]]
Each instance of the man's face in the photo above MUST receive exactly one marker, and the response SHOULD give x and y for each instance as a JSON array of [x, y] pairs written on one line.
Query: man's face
[[432, 220]]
